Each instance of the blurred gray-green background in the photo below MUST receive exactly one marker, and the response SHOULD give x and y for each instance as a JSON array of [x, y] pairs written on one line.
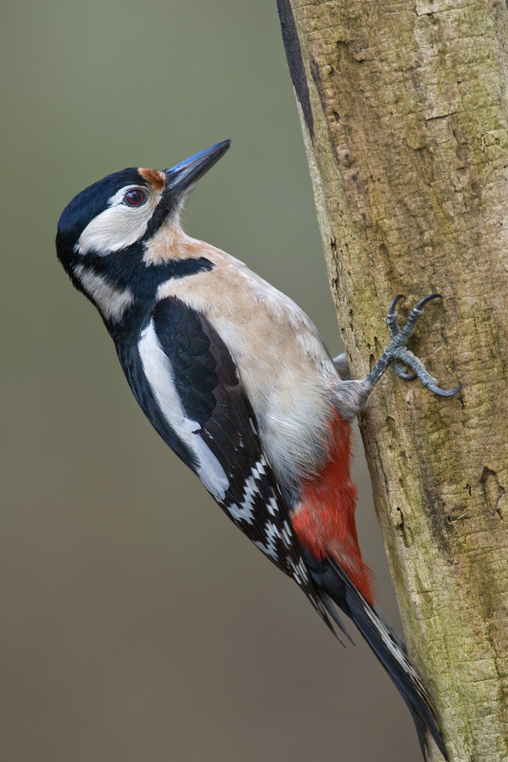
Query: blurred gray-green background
[[136, 623]]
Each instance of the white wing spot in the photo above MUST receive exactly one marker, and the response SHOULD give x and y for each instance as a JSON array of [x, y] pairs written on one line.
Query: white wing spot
[[259, 468], [286, 535], [244, 511], [272, 506], [299, 571], [266, 549], [269, 547]]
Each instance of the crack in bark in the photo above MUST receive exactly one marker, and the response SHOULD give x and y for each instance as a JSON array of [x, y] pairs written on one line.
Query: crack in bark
[[492, 491]]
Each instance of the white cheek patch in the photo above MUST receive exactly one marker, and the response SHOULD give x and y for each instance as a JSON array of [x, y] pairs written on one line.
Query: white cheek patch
[[160, 377], [118, 226], [110, 300]]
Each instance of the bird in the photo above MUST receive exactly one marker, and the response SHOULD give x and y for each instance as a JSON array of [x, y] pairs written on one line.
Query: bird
[[235, 378]]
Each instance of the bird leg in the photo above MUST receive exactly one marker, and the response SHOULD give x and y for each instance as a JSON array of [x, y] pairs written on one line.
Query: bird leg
[[351, 396], [342, 366]]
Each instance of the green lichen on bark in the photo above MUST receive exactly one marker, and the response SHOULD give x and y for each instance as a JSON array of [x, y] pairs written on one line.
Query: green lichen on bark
[[409, 163]]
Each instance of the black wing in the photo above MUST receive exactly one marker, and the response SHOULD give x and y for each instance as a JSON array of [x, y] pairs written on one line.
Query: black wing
[[211, 394]]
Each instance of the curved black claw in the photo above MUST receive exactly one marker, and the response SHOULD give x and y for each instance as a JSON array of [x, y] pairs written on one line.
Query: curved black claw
[[407, 376], [444, 392], [394, 302], [426, 299]]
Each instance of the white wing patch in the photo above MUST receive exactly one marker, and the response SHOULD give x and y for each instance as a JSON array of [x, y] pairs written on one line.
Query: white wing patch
[[159, 374], [110, 300]]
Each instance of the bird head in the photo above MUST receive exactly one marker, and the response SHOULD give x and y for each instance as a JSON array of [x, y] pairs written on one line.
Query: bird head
[[105, 232]]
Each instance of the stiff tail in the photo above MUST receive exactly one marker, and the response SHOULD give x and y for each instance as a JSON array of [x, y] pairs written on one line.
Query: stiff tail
[[389, 649]]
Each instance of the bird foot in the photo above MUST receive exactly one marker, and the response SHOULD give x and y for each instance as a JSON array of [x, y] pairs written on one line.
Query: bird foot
[[400, 357]]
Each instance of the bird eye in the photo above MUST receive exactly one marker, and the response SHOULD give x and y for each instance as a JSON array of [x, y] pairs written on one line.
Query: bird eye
[[136, 197]]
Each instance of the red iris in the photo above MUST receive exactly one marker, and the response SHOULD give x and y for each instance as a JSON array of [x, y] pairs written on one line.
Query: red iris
[[135, 197]]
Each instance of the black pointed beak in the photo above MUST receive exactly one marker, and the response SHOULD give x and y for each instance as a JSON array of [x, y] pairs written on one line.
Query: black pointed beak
[[183, 176]]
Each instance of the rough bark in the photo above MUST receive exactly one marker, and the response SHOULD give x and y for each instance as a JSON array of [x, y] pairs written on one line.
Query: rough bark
[[404, 112]]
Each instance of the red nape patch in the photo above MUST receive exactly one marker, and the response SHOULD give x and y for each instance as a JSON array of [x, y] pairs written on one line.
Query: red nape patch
[[325, 522]]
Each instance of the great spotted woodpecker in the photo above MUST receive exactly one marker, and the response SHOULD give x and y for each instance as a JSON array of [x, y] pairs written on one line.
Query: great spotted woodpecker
[[236, 380]]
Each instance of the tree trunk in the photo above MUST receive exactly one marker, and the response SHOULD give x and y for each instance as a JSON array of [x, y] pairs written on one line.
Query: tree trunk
[[404, 113]]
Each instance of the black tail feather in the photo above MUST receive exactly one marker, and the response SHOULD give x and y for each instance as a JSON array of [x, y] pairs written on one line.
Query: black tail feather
[[389, 649], [327, 602]]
